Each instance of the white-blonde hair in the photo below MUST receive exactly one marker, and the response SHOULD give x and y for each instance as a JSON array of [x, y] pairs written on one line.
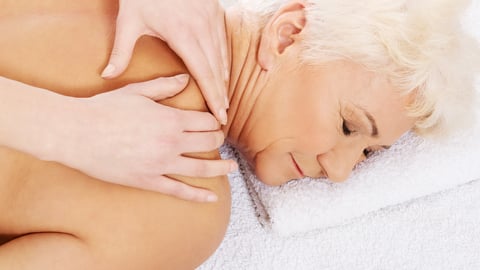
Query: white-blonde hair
[[419, 44]]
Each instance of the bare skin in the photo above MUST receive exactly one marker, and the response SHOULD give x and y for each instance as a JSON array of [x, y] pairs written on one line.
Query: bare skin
[[290, 120], [59, 218]]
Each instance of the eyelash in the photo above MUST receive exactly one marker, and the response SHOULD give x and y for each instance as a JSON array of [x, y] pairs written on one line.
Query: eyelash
[[347, 132]]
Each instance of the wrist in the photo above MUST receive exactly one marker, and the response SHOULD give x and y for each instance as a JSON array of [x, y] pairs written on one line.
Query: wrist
[[66, 121], [29, 116]]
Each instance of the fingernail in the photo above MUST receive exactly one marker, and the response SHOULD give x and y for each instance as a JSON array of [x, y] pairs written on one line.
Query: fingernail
[[212, 198], [223, 116], [182, 78], [108, 71], [233, 167]]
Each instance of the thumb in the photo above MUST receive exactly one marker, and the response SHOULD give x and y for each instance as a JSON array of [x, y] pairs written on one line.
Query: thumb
[[169, 186], [126, 36], [161, 88]]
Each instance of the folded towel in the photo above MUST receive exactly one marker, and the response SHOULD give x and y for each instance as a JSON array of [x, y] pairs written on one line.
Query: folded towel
[[411, 169], [434, 232]]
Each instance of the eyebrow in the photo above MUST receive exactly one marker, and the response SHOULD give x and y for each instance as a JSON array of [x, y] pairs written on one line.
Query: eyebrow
[[374, 127], [373, 123]]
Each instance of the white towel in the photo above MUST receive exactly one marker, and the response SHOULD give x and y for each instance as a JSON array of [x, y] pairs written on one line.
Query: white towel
[[432, 232], [438, 232], [411, 169]]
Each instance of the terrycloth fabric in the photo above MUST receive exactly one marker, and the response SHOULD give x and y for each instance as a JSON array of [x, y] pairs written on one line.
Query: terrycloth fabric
[[437, 232], [411, 169]]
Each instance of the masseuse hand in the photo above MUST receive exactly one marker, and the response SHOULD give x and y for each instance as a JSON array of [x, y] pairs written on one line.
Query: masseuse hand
[[146, 140], [201, 43], [194, 29]]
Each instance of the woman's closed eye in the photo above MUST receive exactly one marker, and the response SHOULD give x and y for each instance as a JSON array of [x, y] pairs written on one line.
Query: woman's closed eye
[[346, 128]]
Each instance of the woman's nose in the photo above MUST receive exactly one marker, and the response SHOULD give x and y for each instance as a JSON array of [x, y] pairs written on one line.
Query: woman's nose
[[338, 165]]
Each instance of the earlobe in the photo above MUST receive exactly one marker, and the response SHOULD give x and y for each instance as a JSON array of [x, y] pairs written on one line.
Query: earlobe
[[280, 33]]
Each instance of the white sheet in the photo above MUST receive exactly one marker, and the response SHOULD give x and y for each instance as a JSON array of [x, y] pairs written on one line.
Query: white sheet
[[440, 231], [411, 169], [437, 232]]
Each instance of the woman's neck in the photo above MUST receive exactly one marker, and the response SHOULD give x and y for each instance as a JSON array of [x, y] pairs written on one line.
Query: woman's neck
[[246, 77]]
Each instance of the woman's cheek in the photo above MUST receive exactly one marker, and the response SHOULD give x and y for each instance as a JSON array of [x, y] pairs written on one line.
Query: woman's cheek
[[273, 167]]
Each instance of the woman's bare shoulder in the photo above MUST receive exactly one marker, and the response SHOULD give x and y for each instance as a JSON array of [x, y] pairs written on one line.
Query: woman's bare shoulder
[[121, 227], [69, 54], [66, 54]]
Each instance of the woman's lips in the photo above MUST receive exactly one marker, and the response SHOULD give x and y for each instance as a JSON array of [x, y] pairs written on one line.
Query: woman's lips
[[299, 170]]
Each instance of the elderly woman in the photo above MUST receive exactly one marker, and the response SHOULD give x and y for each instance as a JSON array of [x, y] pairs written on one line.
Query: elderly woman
[[315, 87]]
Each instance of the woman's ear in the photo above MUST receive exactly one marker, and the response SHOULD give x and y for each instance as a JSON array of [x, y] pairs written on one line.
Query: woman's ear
[[279, 33]]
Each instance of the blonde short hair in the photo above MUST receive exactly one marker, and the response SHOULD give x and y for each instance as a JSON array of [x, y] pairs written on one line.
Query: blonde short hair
[[420, 45]]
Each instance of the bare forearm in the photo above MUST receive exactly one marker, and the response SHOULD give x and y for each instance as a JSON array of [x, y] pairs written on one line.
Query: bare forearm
[[32, 119]]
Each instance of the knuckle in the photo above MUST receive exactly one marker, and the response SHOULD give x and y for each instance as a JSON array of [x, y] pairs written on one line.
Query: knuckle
[[214, 124], [222, 167], [210, 141], [184, 34], [116, 52], [175, 116], [119, 53], [168, 143], [219, 138], [210, 122], [211, 74], [143, 182], [189, 194], [201, 169], [178, 190], [130, 87], [156, 158]]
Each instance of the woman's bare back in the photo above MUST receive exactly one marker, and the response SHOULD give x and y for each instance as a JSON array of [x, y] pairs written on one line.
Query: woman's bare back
[[57, 214]]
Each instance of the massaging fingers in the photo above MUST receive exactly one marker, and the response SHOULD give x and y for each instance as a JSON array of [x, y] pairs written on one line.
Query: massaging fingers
[[214, 46], [166, 185], [198, 121], [203, 168], [216, 61], [210, 82], [126, 35], [222, 38], [217, 54], [197, 142], [159, 88]]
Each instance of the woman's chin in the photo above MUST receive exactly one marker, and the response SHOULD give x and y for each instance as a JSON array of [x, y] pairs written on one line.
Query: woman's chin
[[275, 178]]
